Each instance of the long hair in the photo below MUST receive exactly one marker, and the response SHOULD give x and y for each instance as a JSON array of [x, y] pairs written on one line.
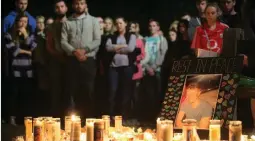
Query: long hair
[[14, 33], [113, 27], [186, 24]]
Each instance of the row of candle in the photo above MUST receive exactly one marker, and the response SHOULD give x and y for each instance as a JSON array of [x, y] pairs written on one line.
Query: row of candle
[[42, 128], [48, 128]]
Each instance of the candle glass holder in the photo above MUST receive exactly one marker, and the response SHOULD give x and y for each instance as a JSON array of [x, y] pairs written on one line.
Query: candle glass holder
[[90, 129], [48, 129], [214, 130], [167, 130], [189, 131], [28, 128], [56, 130], [118, 123], [235, 130], [99, 130], [158, 130], [75, 129], [107, 122], [38, 129]]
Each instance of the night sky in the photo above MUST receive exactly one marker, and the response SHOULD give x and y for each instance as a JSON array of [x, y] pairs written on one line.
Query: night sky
[[165, 11]]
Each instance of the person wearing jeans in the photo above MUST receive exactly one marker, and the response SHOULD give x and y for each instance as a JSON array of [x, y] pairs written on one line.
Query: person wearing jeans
[[120, 47]]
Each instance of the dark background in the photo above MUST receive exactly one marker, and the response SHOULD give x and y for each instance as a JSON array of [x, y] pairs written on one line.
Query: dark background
[[165, 11]]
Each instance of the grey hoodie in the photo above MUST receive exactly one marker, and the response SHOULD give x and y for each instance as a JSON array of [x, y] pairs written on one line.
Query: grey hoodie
[[82, 32], [162, 49]]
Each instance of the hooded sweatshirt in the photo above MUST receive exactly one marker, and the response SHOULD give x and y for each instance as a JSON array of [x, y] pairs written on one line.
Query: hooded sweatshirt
[[81, 32], [10, 20], [155, 50]]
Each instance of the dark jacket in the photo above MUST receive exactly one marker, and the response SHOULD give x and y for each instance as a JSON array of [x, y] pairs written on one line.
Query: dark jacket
[[131, 56]]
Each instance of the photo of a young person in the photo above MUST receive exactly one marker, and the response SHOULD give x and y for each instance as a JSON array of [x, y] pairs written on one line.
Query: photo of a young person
[[199, 98]]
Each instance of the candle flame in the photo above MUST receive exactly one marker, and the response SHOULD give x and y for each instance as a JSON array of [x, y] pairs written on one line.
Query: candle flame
[[82, 137], [253, 137], [148, 136], [73, 117]]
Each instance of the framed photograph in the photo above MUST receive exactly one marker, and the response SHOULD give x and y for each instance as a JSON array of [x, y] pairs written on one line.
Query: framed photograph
[[202, 89], [199, 99]]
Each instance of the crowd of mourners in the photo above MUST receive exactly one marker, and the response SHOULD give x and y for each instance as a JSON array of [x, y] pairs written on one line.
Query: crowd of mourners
[[103, 66]]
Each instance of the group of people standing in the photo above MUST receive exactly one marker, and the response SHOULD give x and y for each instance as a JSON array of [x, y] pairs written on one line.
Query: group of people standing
[[103, 66]]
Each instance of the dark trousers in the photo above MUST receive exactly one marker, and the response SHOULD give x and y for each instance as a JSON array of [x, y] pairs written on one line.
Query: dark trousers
[[120, 90], [149, 99], [57, 80], [80, 85], [101, 94], [23, 99]]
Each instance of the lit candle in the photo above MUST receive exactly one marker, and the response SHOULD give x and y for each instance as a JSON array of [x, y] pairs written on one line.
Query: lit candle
[[107, 123], [118, 123], [235, 130], [214, 130], [90, 130], [68, 122], [28, 126], [48, 129], [99, 130], [253, 137], [82, 138], [38, 131], [75, 129], [167, 130], [147, 136], [158, 130], [56, 129]]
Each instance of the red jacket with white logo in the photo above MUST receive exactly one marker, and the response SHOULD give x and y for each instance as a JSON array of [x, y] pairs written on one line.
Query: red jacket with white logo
[[207, 39]]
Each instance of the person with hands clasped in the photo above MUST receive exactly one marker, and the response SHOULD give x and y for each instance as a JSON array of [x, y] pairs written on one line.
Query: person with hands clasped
[[155, 50], [80, 40]]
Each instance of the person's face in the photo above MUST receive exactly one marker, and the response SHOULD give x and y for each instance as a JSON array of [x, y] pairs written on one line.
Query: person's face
[[172, 36], [201, 6], [153, 27], [79, 6], [40, 24], [108, 25], [49, 21], [211, 14], [101, 23], [22, 23], [193, 94], [132, 28], [228, 5], [121, 25], [61, 8], [21, 5], [182, 28]]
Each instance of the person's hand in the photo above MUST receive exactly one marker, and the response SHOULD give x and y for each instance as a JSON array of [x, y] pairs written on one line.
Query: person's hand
[[80, 55], [245, 60], [29, 53], [151, 72], [23, 31], [118, 47]]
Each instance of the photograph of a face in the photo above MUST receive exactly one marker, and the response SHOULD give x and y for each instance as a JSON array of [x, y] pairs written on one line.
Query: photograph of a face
[[199, 99]]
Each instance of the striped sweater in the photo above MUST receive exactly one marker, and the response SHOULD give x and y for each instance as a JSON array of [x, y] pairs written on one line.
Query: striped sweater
[[21, 63]]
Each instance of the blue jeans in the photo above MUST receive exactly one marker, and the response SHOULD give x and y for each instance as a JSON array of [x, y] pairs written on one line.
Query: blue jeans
[[120, 90]]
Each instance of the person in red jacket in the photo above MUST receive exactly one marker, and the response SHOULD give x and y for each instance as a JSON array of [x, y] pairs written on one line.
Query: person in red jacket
[[209, 36]]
